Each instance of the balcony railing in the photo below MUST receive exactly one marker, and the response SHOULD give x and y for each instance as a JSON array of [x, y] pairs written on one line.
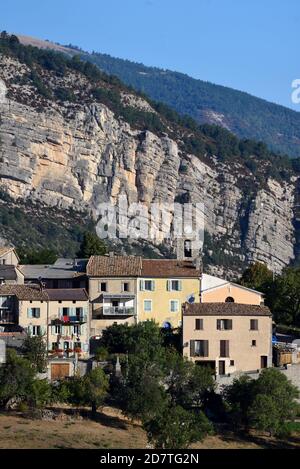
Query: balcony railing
[[79, 318], [118, 311]]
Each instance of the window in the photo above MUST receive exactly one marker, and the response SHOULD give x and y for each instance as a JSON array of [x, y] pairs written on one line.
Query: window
[[229, 299], [199, 324], [187, 248], [57, 329], [3, 261], [174, 285], [126, 286], [147, 285], [33, 312], [224, 348], [76, 329], [231, 362], [148, 306], [77, 345], [174, 306], [54, 345], [253, 324], [103, 286], [199, 348], [224, 324], [36, 330], [66, 311], [253, 343]]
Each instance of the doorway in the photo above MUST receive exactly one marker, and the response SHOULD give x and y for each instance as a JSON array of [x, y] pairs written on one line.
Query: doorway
[[263, 361], [221, 367]]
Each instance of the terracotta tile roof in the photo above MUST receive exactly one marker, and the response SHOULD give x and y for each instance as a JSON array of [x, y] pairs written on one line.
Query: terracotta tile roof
[[67, 294], [168, 268], [114, 266], [33, 292], [224, 309], [24, 292]]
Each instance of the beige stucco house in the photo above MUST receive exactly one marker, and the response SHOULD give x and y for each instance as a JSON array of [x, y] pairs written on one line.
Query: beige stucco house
[[228, 337], [10, 273], [60, 316], [218, 290]]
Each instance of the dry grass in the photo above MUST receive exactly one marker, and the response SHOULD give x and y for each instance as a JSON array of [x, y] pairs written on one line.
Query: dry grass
[[111, 430]]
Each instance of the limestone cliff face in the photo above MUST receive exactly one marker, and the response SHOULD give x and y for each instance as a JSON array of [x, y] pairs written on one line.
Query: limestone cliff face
[[79, 156]]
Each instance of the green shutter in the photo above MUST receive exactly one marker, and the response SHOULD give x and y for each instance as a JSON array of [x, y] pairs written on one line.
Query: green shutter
[[168, 285], [141, 285], [29, 312], [152, 285], [179, 285]]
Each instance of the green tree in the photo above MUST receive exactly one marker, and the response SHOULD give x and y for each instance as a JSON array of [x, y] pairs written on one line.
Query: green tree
[[266, 403], [96, 385], [91, 245], [257, 276], [42, 256], [41, 393], [187, 384], [35, 350], [16, 378], [284, 299], [176, 428], [239, 395], [274, 402], [142, 395]]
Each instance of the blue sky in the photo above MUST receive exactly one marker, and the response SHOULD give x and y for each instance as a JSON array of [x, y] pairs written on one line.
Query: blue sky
[[251, 45]]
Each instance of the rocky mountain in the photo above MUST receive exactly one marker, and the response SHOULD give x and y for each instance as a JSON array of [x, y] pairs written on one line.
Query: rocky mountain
[[245, 115], [72, 137]]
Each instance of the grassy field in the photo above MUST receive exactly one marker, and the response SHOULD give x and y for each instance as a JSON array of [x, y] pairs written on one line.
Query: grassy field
[[111, 430]]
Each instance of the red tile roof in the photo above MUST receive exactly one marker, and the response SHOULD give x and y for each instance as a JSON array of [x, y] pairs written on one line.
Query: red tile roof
[[114, 266], [224, 309], [168, 268]]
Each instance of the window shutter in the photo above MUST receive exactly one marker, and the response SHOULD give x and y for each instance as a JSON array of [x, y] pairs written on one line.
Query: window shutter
[[141, 285], [53, 330], [205, 348], [29, 312], [230, 323], [192, 348], [60, 311], [179, 285], [152, 285], [168, 285], [29, 330], [227, 348], [38, 312], [218, 324]]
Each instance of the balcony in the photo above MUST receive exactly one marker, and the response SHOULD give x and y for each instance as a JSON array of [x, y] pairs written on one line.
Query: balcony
[[118, 311], [78, 319]]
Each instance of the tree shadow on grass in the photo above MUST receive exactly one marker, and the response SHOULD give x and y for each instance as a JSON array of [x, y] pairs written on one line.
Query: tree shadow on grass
[[264, 442], [100, 417]]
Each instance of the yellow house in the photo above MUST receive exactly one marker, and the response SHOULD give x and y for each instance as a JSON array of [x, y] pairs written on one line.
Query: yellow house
[[164, 285], [218, 290], [129, 289]]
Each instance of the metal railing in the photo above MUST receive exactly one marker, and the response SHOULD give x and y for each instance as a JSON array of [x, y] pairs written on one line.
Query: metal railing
[[118, 311]]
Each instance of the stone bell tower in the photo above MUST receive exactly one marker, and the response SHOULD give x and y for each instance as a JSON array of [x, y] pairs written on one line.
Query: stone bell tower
[[189, 250]]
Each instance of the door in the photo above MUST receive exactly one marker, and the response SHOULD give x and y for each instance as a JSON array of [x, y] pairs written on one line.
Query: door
[[221, 367], [263, 361], [60, 370]]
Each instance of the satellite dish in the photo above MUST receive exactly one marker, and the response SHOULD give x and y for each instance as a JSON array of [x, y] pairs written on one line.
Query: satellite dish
[[191, 298]]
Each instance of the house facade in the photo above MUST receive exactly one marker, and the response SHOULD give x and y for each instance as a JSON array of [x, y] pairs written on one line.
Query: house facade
[[164, 285], [8, 256], [128, 289], [60, 316], [228, 337], [218, 290]]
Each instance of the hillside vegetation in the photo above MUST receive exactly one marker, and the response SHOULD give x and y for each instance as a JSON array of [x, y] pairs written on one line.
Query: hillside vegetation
[[245, 115]]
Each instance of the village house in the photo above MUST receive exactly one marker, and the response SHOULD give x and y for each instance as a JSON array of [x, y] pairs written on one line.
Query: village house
[[128, 289], [61, 316], [217, 290], [228, 337], [10, 274]]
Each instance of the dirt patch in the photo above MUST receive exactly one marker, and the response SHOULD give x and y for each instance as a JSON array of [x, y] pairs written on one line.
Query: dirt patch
[[109, 430]]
